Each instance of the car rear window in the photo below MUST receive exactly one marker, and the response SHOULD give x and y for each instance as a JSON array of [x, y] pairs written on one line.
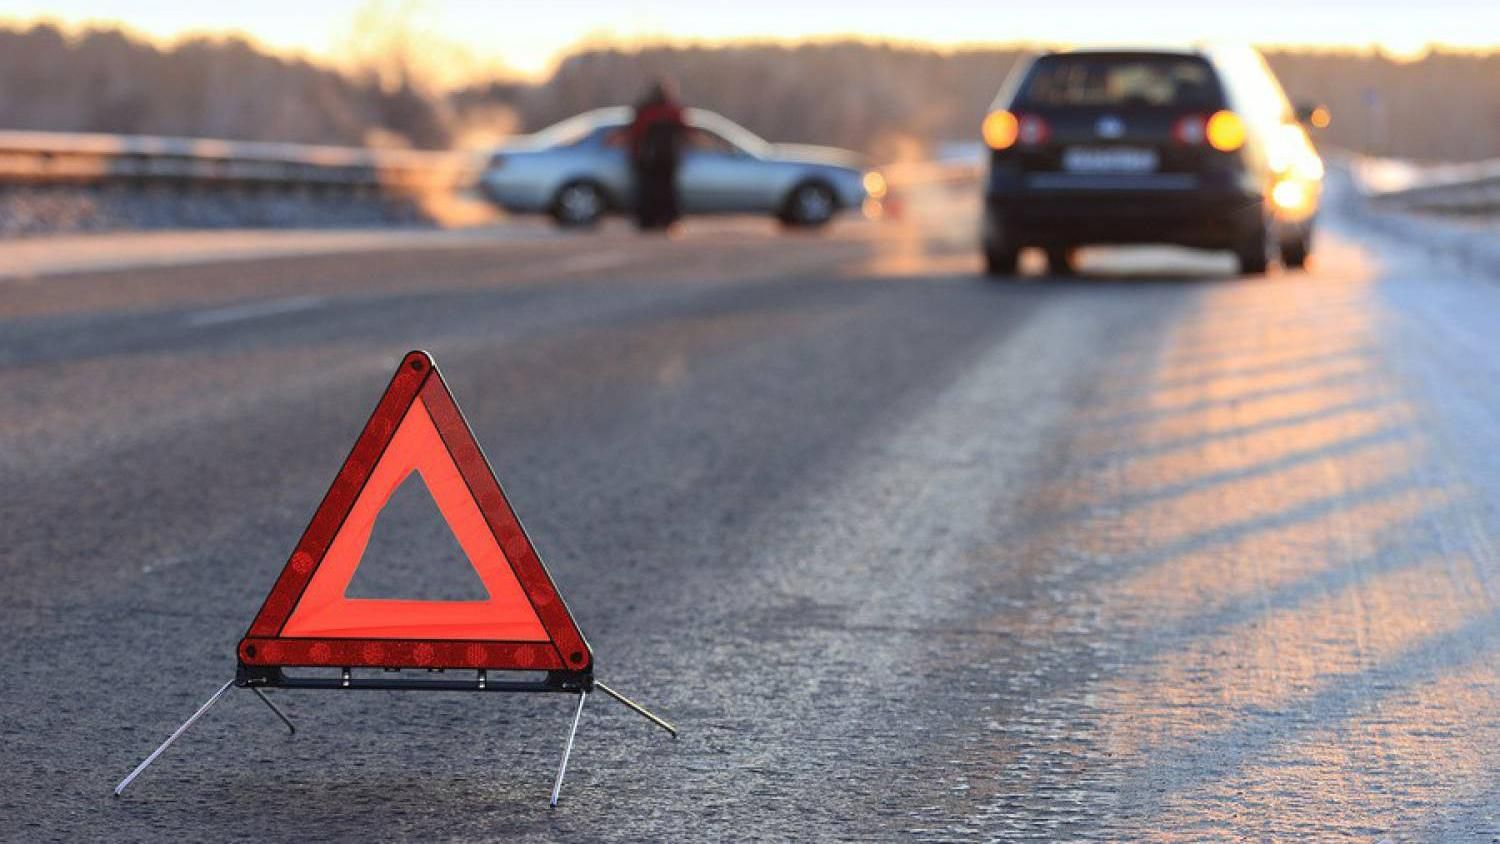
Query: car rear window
[[1120, 81]]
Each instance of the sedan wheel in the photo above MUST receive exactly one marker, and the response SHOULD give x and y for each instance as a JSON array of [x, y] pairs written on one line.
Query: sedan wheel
[[578, 204], [811, 205]]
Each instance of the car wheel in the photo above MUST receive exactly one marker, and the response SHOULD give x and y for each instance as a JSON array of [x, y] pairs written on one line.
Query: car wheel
[[579, 205], [1001, 262], [1062, 260], [1294, 252], [811, 205], [1253, 254]]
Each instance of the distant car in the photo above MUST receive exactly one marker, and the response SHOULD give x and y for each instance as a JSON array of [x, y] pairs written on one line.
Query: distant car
[[579, 170], [1197, 148]]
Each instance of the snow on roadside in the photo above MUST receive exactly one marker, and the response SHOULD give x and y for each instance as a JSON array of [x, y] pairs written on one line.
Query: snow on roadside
[[1473, 242]]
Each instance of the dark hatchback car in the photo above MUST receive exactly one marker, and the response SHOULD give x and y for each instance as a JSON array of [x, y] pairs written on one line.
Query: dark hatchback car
[[1195, 148]]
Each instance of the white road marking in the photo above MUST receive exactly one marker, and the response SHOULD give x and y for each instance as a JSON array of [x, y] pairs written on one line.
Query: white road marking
[[253, 310], [28, 259]]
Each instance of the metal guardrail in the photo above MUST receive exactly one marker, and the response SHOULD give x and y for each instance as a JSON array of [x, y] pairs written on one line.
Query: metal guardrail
[[96, 159], [68, 157], [1468, 188]]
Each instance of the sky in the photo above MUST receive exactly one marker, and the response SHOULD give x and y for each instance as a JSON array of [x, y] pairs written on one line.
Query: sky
[[527, 36]]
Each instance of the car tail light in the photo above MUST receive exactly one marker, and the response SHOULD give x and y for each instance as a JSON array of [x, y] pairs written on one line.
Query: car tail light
[[1225, 131], [1222, 130], [1190, 130], [1000, 129], [1033, 130]]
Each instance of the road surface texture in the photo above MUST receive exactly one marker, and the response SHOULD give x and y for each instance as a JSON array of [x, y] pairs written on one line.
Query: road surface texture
[[1154, 553]]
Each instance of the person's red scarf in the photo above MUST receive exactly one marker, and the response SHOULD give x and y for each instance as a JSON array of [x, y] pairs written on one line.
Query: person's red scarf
[[649, 116]]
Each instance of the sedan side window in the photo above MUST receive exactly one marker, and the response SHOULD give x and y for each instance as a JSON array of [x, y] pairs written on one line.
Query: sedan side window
[[702, 140]]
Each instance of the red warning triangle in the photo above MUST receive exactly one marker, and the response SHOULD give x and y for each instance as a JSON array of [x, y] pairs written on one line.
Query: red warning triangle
[[308, 620]]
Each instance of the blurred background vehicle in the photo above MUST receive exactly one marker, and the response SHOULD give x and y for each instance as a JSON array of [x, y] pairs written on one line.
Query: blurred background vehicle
[[1195, 148], [579, 170]]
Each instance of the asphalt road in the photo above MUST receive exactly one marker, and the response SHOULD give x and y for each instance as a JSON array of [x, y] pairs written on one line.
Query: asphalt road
[[1157, 552]]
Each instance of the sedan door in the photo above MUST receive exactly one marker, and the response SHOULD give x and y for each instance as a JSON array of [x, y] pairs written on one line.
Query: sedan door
[[718, 177]]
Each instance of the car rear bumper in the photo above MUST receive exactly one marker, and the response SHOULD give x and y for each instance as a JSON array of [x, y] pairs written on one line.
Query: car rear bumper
[[1070, 211]]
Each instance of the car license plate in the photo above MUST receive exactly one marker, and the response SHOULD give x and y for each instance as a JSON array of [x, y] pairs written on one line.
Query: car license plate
[[1109, 160]]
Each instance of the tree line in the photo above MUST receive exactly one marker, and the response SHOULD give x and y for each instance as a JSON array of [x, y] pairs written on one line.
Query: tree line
[[887, 100], [104, 80]]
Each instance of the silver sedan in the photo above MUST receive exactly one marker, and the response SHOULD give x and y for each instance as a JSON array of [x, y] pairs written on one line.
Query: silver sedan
[[579, 170]]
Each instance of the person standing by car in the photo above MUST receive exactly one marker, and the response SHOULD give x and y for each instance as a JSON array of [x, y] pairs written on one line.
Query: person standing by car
[[655, 137]]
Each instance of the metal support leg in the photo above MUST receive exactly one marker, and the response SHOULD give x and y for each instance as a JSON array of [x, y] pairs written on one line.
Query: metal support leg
[[276, 709], [568, 748], [173, 737], [637, 707]]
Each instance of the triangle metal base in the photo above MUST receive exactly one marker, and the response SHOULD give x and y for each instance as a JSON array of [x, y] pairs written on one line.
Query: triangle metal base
[[258, 678]]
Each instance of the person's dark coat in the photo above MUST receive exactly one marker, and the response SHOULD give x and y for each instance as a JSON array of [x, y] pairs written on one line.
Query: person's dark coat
[[655, 140]]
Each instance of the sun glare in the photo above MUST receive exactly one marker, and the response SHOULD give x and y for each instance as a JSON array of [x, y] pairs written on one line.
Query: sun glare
[[526, 39]]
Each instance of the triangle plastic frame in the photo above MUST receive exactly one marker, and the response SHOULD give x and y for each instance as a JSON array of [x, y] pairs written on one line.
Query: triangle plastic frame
[[470, 488], [266, 649]]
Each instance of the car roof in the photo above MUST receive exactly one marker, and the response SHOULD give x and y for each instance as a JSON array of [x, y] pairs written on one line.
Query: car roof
[[607, 116], [1129, 50], [614, 116], [620, 115], [1212, 52]]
